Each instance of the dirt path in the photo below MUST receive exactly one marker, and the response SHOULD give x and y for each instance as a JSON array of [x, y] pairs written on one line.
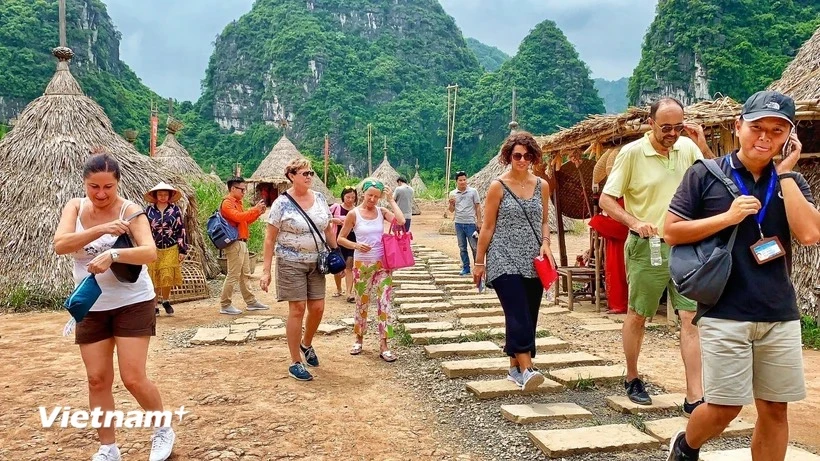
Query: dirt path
[[243, 405]]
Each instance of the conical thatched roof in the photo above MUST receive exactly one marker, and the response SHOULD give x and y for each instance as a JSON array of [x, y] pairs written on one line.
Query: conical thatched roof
[[801, 79], [272, 168], [418, 184], [41, 163], [176, 158], [390, 177]]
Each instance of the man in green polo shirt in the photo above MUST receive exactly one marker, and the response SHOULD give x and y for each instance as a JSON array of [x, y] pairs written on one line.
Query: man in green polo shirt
[[646, 174]]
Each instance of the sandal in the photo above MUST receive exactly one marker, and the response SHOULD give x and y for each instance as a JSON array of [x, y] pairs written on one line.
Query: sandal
[[356, 349], [337, 294], [388, 356], [351, 299]]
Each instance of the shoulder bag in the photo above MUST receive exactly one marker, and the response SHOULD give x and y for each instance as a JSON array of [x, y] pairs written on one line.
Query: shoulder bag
[[329, 261]]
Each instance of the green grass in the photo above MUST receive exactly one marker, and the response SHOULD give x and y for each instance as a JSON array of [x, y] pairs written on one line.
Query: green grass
[[25, 299], [402, 336], [542, 333], [208, 198], [638, 421], [584, 384], [810, 331]]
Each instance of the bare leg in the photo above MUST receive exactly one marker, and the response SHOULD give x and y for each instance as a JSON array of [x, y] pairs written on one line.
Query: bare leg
[[524, 360], [690, 353], [633, 333], [315, 308], [708, 421], [99, 367], [349, 280], [166, 293], [771, 435], [338, 279], [293, 329], [132, 355]]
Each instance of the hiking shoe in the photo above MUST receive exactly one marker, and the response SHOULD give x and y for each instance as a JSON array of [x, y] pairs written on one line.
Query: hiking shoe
[[636, 391], [688, 408], [162, 443], [257, 306], [310, 355], [675, 453], [168, 309], [532, 379], [105, 453], [465, 272], [298, 372], [230, 310], [515, 376]]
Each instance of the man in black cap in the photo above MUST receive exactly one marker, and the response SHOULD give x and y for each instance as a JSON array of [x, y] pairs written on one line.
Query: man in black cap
[[750, 339]]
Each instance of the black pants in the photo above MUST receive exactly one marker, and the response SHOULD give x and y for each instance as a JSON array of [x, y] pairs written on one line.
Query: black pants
[[520, 298]]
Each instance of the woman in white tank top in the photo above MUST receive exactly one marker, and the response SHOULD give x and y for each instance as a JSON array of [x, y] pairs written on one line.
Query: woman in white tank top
[[123, 316], [370, 279]]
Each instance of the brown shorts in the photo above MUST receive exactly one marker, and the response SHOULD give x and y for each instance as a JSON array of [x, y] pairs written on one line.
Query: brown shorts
[[298, 281], [131, 321]]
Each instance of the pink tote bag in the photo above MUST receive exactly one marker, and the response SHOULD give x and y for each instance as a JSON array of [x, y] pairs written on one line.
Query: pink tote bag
[[397, 251]]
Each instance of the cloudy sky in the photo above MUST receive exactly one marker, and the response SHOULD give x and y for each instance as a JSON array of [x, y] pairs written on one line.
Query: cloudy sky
[[168, 42]]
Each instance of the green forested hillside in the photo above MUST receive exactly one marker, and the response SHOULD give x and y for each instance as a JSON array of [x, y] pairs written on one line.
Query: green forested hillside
[[490, 57], [742, 46], [613, 92]]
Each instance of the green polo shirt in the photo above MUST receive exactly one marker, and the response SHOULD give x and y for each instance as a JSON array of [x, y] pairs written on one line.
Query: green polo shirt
[[647, 180]]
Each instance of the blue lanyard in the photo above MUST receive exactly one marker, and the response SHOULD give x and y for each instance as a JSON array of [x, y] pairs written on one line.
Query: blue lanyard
[[769, 192]]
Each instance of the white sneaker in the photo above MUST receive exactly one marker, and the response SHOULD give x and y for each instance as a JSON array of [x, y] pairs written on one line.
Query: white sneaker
[[532, 379], [162, 443], [230, 310], [105, 453], [257, 306]]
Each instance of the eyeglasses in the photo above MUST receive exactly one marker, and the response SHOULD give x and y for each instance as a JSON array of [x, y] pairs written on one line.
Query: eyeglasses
[[517, 156], [667, 128], [243, 189], [308, 173]]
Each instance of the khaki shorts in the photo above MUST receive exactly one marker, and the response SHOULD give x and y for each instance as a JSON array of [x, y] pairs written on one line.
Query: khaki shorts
[[743, 361], [647, 282], [298, 281], [132, 321]]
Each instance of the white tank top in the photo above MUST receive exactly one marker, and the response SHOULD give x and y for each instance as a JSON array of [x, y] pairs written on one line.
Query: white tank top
[[369, 231], [115, 294]]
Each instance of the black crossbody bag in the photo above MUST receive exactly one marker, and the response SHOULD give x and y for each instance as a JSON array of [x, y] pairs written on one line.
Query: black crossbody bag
[[329, 261]]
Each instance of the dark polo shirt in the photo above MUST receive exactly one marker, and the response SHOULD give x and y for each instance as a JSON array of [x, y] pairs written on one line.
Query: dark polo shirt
[[754, 292]]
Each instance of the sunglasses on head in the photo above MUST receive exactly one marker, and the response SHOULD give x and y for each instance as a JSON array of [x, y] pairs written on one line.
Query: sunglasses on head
[[348, 189], [667, 128], [517, 156]]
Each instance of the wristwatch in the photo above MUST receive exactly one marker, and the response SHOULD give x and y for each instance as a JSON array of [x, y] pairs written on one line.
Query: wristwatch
[[789, 174], [115, 255]]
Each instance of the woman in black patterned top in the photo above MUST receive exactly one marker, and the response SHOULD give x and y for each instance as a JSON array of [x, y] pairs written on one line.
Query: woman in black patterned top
[[515, 231], [168, 229]]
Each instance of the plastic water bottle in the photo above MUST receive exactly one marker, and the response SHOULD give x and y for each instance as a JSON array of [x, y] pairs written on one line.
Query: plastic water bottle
[[655, 257]]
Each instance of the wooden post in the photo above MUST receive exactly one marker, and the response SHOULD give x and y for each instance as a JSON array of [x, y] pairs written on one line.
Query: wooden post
[[154, 124], [369, 149], [327, 155], [63, 40]]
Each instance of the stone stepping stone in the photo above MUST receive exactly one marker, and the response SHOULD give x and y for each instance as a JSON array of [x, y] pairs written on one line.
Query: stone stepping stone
[[560, 443], [349, 321], [418, 299], [250, 319], [469, 301], [598, 374], [745, 454], [425, 338], [491, 389], [418, 286], [410, 317], [273, 333], [665, 429], [472, 312], [410, 308], [600, 321], [550, 343], [583, 315], [425, 327], [272, 323], [500, 365], [603, 327], [328, 329], [462, 349], [538, 412], [210, 335], [663, 402], [453, 270], [244, 327], [477, 297], [482, 322], [236, 338], [454, 281], [503, 331], [553, 311]]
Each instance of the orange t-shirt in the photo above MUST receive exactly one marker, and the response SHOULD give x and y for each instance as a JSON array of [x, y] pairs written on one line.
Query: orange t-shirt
[[233, 212]]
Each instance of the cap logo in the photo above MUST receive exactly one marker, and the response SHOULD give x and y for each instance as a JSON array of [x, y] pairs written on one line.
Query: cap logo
[[772, 105]]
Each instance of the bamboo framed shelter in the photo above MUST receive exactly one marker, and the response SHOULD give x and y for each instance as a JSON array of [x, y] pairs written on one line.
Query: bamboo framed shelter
[[41, 160]]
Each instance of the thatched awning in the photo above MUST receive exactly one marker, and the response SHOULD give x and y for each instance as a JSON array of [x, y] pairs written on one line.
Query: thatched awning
[[46, 151], [801, 79], [272, 169]]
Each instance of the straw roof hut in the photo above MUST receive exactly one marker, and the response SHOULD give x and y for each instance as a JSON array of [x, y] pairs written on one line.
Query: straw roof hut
[[417, 183], [271, 172], [176, 158], [389, 176], [42, 159], [801, 81]]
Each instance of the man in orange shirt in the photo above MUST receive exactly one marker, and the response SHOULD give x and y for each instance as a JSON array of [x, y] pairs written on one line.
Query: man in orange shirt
[[236, 254]]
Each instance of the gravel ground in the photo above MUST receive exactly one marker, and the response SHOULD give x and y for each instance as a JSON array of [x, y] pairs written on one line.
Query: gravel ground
[[482, 430]]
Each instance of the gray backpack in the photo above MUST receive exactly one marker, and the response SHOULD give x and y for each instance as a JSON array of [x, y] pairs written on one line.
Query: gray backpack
[[700, 270]]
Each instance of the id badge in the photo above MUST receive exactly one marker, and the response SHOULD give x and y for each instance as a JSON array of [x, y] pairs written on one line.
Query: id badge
[[767, 249]]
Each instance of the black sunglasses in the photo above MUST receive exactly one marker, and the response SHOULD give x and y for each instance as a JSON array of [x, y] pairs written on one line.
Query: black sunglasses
[[308, 173], [243, 189], [518, 156]]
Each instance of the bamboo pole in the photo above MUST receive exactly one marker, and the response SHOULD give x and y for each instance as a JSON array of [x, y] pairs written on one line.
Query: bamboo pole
[[63, 40]]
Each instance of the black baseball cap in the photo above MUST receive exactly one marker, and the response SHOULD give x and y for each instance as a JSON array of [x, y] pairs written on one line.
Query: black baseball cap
[[401, 179], [768, 104]]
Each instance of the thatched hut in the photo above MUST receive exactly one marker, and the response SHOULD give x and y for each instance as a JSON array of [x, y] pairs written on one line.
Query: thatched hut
[[270, 175], [801, 81], [417, 183], [41, 163], [389, 176]]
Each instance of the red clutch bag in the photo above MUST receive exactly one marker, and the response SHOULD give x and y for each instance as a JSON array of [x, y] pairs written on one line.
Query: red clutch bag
[[546, 272]]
